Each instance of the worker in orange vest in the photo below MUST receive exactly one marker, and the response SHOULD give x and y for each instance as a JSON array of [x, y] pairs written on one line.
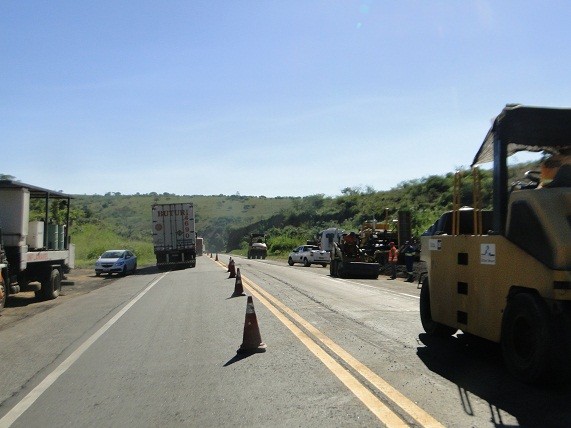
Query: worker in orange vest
[[393, 258]]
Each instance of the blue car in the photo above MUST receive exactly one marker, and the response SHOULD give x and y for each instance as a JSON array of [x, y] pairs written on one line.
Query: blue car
[[121, 262]]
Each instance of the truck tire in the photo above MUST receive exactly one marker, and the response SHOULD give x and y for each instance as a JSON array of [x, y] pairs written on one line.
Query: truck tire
[[51, 286], [428, 324], [526, 337]]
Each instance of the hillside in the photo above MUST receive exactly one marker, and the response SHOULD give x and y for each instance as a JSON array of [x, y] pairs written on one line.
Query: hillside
[[115, 220]]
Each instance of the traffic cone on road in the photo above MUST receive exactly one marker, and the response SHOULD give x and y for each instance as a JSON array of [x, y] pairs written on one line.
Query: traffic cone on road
[[252, 341], [232, 269], [216, 259], [229, 263], [238, 287]]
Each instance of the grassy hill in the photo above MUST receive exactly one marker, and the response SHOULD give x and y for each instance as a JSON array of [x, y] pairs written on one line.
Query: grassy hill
[[115, 220], [124, 221]]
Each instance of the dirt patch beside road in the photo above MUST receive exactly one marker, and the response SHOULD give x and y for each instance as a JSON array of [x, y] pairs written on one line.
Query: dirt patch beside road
[[77, 282]]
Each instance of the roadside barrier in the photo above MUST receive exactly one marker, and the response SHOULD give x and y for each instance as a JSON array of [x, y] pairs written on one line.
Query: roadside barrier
[[252, 340], [238, 286]]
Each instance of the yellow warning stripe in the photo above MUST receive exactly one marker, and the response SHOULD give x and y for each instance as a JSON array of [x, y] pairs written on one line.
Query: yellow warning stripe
[[379, 409], [382, 412]]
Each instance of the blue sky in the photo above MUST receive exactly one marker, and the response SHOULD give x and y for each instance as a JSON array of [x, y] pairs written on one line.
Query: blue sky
[[273, 98]]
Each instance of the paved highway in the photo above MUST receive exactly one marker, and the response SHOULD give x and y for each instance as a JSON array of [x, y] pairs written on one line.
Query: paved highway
[[160, 349]]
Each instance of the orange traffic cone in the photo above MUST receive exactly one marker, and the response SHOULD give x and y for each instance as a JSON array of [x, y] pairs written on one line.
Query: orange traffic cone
[[232, 269], [252, 341], [238, 287]]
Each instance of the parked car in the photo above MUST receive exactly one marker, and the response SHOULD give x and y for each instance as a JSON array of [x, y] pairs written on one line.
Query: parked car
[[116, 261], [308, 255]]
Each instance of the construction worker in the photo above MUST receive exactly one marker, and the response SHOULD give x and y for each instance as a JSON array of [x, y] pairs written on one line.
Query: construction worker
[[350, 244], [550, 168], [393, 259], [409, 251]]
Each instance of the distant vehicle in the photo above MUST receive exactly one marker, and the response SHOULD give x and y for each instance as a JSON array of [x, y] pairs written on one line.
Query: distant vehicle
[[116, 261], [308, 255], [174, 235], [257, 248], [199, 246]]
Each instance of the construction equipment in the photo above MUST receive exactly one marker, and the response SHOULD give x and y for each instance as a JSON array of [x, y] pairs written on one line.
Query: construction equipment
[[257, 247], [505, 275], [348, 260], [375, 236]]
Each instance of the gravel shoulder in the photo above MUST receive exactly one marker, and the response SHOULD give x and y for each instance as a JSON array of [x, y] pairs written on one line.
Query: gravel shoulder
[[79, 281]]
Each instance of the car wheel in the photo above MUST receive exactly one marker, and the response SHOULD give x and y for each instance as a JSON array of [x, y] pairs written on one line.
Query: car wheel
[[306, 262], [290, 261], [97, 273], [324, 264], [134, 268], [124, 271]]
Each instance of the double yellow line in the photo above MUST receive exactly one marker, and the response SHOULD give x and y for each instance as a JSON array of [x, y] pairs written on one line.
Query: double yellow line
[[387, 416]]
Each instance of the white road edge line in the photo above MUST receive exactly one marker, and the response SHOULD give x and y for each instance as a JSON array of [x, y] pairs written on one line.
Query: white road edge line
[[9, 418]]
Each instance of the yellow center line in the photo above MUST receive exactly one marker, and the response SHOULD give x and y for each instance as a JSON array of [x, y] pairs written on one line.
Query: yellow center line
[[379, 409], [405, 404]]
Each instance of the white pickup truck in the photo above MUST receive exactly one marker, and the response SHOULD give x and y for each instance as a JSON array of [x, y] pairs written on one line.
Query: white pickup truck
[[308, 255]]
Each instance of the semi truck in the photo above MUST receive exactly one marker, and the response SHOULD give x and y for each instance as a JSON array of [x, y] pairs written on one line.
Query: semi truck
[[174, 235], [34, 255], [199, 246], [505, 274]]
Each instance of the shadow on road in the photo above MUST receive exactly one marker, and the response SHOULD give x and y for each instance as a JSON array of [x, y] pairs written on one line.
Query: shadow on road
[[476, 367], [239, 357]]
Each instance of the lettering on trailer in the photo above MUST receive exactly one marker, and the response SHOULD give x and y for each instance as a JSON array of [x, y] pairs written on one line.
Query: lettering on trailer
[[172, 213]]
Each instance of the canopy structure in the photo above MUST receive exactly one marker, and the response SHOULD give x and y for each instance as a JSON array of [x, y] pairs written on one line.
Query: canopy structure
[[525, 128], [35, 191]]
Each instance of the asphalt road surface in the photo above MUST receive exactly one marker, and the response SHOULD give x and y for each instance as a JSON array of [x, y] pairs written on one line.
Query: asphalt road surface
[[160, 349]]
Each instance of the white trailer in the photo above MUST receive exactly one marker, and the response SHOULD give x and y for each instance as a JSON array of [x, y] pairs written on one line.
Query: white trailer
[[174, 235], [35, 255]]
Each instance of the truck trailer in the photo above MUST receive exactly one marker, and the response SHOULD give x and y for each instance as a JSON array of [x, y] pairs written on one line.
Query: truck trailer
[[34, 255], [174, 235]]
